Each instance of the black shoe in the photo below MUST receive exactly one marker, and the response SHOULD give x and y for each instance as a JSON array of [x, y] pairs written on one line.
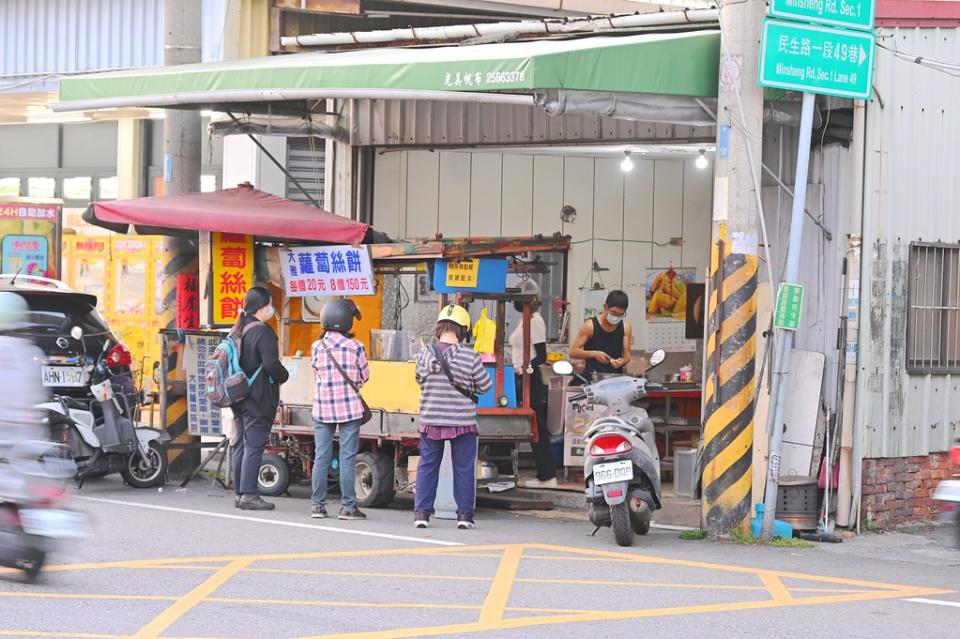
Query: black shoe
[[318, 512], [254, 502], [421, 519], [465, 521], [351, 514]]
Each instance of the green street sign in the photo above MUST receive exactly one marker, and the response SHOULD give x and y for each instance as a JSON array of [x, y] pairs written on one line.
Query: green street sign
[[850, 14], [789, 307], [802, 57]]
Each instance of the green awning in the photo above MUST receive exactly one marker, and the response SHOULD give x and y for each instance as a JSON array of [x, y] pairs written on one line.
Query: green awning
[[684, 64]]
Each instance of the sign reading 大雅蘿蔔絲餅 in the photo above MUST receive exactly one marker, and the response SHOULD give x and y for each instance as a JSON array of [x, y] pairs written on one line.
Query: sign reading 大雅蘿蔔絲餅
[[318, 271]]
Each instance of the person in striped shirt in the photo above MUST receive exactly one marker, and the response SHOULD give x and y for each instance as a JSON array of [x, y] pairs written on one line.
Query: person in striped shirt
[[451, 376]]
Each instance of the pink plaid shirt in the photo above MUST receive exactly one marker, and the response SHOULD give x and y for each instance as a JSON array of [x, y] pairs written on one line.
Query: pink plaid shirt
[[334, 402]]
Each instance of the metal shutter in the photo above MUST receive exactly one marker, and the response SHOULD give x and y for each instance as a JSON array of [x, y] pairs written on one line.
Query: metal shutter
[[306, 160]]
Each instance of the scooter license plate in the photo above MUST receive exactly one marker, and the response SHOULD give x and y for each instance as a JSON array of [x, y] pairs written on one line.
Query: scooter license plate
[[613, 472], [62, 376], [53, 523]]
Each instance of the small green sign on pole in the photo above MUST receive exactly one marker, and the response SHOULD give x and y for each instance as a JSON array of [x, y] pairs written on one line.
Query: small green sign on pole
[[789, 307], [806, 57]]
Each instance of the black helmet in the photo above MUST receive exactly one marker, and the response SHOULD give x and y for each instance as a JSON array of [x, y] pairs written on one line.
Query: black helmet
[[337, 315]]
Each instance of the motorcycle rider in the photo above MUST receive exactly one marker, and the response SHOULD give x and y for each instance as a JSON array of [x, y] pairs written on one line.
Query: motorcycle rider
[[20, 376]]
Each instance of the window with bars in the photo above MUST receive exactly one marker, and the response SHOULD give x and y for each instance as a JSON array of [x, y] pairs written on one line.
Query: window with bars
[[933, 320]]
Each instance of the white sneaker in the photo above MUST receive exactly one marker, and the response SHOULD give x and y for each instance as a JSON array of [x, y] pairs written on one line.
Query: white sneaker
[[536, 484]]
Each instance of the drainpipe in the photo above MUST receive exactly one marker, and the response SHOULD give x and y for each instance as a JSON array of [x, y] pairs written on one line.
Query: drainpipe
[[486, 30], [848, 494]]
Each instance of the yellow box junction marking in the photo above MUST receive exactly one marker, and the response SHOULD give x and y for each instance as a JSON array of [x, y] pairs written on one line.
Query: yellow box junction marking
[[490, 614]]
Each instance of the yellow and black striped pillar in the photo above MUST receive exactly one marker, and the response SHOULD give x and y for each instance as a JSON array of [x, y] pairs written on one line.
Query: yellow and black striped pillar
[[729, 390], [180, 256]]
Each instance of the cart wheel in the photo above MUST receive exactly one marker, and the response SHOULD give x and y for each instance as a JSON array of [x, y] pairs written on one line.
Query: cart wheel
[[375, 480], [274, 476]]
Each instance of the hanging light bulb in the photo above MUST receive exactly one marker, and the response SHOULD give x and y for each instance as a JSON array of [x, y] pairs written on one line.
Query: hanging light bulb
[[702, 162], [627, 165]]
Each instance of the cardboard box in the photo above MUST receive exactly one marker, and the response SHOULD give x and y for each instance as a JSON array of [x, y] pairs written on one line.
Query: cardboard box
[[577, 419]]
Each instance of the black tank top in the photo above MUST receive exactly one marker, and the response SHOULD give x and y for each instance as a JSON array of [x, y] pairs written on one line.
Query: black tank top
[[610, 343]]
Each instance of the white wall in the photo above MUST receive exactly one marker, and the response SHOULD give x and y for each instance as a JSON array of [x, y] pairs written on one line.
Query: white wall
[[244, 162], [620, 215]]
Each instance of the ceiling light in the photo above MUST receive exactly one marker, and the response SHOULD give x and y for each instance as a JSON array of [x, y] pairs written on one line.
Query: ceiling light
[[627, 165], [702, 162]]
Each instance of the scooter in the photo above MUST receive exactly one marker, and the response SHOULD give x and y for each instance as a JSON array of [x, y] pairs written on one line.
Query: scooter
[[948, 492], [100, 434], [33, 519], [621, 462]]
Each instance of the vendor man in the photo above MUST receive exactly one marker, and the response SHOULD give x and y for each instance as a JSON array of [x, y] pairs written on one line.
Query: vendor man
[[604, 342]]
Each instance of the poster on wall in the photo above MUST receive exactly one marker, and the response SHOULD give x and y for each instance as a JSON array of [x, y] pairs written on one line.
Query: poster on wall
[[324, 271], [232, 275], [203, 418], [667, 292], [26, 254], [696, 310], [667, 297]]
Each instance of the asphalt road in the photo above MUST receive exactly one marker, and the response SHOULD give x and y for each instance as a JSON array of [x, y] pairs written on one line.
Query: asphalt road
[[187, 564]]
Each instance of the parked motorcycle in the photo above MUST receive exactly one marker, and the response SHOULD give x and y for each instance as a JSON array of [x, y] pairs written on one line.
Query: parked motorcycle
[[948, 492], [33, 516], [99, 431], [621, 462]]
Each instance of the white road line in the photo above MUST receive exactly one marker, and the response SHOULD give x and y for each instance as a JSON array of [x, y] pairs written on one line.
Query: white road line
[[275, 522], [935, 602]]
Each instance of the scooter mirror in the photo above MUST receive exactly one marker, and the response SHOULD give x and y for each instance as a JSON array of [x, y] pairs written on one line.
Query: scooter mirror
[[657, 357], [563, 368], [76, 333]]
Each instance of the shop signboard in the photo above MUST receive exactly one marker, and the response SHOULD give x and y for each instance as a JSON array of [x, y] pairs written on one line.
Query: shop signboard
[[463, 273], [814, 59], [849, 14], [482, 275], [232, 275], [203, 418], [789, 307], [325, 271], [30, 238], [27, 254]]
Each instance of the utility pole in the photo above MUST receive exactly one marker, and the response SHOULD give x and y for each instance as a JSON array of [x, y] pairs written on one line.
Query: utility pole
[[181, 174], [729, 384]]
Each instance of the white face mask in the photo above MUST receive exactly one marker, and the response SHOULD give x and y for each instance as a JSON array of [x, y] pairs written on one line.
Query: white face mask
[[268, 313], [614, 319]]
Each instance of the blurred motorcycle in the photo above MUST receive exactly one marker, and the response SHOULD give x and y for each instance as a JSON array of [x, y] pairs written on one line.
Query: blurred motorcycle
[[33, 512], [948, 492]]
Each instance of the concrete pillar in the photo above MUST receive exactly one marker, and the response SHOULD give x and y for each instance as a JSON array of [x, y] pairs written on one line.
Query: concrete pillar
[[130, 159], [729, 384]]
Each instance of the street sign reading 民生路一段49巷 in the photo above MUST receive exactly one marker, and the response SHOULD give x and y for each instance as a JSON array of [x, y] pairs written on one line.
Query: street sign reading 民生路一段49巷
[[849, 14], [814, 59]]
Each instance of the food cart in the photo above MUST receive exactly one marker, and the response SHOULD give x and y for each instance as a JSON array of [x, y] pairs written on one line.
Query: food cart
[[391, 437]]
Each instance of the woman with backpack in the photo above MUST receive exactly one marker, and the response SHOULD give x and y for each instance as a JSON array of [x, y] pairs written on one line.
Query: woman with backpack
[[254, 414], [451, 376], [340, 369]]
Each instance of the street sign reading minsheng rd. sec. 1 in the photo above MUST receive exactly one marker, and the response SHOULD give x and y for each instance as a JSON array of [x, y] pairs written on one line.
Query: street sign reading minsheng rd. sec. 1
[[800, 57], [850, 14]]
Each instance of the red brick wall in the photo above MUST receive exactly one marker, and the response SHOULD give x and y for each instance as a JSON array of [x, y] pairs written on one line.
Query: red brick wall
[[897, 490]]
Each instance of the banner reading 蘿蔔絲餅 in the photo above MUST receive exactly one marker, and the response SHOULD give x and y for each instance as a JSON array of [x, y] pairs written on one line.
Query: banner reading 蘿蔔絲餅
[[317, 271]]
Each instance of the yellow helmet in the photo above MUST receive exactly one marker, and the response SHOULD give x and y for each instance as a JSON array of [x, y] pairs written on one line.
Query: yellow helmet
[[456, 314]]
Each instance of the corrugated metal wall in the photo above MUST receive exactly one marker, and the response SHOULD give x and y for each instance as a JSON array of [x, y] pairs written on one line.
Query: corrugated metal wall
[[911, 193], [434, 124], [69, 36]]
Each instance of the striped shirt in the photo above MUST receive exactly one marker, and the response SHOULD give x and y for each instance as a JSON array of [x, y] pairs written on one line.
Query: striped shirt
[[441, 404]]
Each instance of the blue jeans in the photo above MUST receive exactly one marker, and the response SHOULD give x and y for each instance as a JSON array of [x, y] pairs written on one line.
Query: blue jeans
[[464, 449], [349, 443]]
